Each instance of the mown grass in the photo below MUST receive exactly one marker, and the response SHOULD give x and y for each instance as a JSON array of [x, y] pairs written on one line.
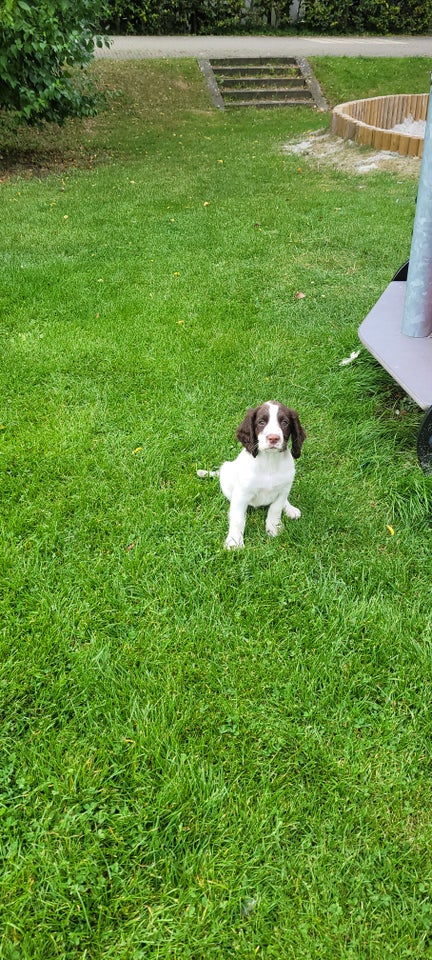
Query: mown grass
[[347, 78], [206, 754]]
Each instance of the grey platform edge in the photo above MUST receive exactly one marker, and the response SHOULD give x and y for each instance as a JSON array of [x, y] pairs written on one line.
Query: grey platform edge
[[407, 359]]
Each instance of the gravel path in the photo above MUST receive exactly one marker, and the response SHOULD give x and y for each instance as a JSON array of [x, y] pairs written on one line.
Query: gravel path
[[137, 48]]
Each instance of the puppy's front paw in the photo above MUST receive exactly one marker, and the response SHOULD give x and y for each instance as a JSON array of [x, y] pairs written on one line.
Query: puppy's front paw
[[234, 543], [273, 529], [292, 512]]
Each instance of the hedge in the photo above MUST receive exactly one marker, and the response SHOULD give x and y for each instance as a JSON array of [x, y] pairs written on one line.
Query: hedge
[[245, 16], [368, 16], [194, 16]]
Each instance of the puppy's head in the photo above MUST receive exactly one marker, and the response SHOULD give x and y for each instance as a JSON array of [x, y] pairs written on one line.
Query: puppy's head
[[269, 427]]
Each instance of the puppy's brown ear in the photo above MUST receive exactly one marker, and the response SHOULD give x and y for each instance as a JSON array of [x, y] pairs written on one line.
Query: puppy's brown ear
[[298, 434], [246, 433]]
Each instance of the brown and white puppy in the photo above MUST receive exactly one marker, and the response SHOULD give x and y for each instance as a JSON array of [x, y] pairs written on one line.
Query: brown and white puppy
[[263, 473]]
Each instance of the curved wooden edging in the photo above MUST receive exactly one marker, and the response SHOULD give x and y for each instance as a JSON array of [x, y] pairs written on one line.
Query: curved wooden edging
[[369, 122]]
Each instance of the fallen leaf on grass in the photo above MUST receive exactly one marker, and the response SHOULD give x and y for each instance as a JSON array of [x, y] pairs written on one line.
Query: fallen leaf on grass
[[390, 530], [353, 356], [131, 545], [299, 295], [248, 906], [137, 450]]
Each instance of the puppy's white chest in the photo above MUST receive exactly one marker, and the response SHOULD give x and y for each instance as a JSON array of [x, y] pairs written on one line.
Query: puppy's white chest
[[269, 489], [259, 481], [273, 476]]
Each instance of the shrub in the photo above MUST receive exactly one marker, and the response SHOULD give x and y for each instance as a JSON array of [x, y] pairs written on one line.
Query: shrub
[[41, 45]]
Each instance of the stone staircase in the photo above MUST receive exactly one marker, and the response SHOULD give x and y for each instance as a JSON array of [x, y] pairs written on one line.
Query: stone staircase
[[267, 82]]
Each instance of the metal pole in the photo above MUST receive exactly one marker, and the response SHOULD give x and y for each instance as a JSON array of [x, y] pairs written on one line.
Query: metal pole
[[417, 316]]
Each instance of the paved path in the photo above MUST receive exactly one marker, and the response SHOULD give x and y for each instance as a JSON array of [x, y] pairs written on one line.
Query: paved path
[[137, 48]]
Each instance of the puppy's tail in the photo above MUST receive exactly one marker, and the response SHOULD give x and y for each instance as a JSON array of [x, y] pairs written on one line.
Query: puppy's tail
[[207, 473]]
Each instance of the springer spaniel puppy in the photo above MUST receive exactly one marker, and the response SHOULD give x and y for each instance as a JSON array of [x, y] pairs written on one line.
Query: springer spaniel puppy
[[263, 473]]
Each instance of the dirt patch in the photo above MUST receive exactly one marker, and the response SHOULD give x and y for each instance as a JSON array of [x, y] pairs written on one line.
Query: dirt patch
[[330, 151]]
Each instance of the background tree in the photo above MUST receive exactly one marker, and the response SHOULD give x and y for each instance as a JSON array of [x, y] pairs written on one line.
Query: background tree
[[44, 46]]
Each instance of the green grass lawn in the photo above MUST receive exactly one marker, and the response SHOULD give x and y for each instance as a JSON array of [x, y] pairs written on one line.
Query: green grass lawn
[[207, 754]]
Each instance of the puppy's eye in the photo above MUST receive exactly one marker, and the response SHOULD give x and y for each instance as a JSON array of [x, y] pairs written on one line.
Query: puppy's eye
[[284, 422], [262, 422]]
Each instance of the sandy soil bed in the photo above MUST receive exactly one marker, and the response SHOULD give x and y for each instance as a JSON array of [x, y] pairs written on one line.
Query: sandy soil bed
[[323, 148]]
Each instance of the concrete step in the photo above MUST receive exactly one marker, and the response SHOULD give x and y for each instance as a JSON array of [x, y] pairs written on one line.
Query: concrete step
[[265, 70], [251, 61], [263, 93], [231, 83], [266, 104]]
